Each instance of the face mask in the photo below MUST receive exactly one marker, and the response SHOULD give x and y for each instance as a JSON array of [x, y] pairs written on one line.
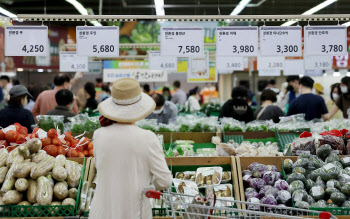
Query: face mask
[[344, 89], [157, 112], [71, 107], [25, 102], [335, 96]]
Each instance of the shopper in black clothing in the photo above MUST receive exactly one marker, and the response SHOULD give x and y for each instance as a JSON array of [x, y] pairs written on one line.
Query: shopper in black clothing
[[14, 111], [238, 107], [64, 99], [90, 93], [268, 111]]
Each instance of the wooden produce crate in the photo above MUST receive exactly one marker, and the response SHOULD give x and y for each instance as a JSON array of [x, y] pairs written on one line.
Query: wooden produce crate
[[197, 137]]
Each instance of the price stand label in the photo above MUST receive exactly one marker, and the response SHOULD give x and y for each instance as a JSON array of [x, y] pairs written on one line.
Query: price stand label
[[294, 67], [71, 62], [318, 62], [281, 41], [98, 41], [198, 67], [237, 41], [182, 42], [270, 62], [325, 40], [226, 65], [269, 72], [142, 75], [26, 41], [158, 62]]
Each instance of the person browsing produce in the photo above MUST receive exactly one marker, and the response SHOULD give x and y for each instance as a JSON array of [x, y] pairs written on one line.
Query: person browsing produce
[[64, 99], [179, 96], [127, 157], [343, 101], [268, 111], [165, 112]]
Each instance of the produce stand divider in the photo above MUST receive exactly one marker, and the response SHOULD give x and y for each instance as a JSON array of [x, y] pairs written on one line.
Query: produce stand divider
[[197, 137]]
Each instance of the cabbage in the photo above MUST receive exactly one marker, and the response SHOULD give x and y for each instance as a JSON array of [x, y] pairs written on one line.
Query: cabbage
[[302, 205], [257, 166], [283, 197], [317, 192], [299, 170], [246, 172], [269, 177], [343, 179], [346, 204], [257, 183], [251, 194], [271, 191], [309, 183], [310, 200], [255, 201], [268, 200], [319, 182], [295, 186], [296, 176], [256, 174], [272, 168], [299, 195], [264, 189], [315, 162], [320, 204], [303, 162], [281, 184], [333, 184], [246, 180]]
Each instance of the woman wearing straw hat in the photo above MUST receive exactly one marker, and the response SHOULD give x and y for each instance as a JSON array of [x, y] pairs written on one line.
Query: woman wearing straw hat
[[128, 158]]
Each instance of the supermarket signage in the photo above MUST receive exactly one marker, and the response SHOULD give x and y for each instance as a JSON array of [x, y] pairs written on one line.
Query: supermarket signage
[[313, 73], [281, 41], [325, 40], [97, 41], [318, 62], [270, 62], [294, 67], [237, 41], [71, 62], [182, 42], [26, 41], [227, 65], [198, 67], [142, 75], [95, 67], [158, 62], [269, 72]]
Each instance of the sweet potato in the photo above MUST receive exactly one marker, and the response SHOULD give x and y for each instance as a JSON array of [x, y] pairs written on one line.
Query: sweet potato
[[23, 169], [12, 197], [32, 190], [21, 184], [74, 173], [45, 191], [43, 168], [60, 190]]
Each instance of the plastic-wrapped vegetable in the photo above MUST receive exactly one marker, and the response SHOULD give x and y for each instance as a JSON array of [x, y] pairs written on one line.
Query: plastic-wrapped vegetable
[[263, 190], [269, 177], [310, 200], [268, 200], [299, 195], [44, 192], [346, 204], [288, 165], [257, 166], [59, 173], [23, 170], [332, 157], [74, 173], [303, 162], [60, 190], [32, 191], [319, 182], [338, 198], [324, 151], [346, 171], [309, 184], [3, 156], [272, 168], [283, 197], [315, 162], [304, 155], [11, 157], [336, 143], [316, 173], [302, 205], [38, 157], [34, 145], [338, 164], [251, 194], [295, 185], [256, 174], [299, 170], [60, 160], [246, 180], [254, 207], [320, 204], [343, 178], [12, 197], [72, 193], [271, 191], [329, 191], [10, 178], [317, 192], [43, 168], [300, 145], [345, 161], [257, 183], [246, 172], [296, 176], [346, 189], [281, 184], [21, 185], [332, 205], [333, 184], [69, 201], [330, 171]]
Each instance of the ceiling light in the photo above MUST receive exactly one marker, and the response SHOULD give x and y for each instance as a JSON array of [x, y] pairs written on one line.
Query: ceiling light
[[82, 10], [40, 70], [7, 13], [241, 5], [336, 74], [347, 24], [301, 76], [19, 69], [325, 75], [312, 10], [159, 7]]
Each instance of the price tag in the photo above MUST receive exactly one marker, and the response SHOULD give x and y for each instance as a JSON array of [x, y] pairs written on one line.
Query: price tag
[[227, 65], [71, 62], [270, 62], [325, 40], [237, 41], [158, 62], [293, 67], [313, 73], [142, 75], [98, 41], [280, 41], [318, 62], [198, 67], [269, 72], [182, 42], [26, 41]]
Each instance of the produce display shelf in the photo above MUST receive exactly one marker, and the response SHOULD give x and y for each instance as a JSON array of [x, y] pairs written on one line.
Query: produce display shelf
[[195, 146], [198, 137]]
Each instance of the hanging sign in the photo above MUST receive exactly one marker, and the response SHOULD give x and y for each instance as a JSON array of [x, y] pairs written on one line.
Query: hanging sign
[[226, 65], [198, 67], [269, 72], [294, 67], [182, 42], [142, 75], [313, 73], [71, 62], [281, 41], [237, 41], [158, 62], [325, 40], [98, 41], [318, 62], [270, 62], [95, 67], [26, 41]]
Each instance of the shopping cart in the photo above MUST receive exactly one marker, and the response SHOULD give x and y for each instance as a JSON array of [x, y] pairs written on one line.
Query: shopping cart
[[199, 207]]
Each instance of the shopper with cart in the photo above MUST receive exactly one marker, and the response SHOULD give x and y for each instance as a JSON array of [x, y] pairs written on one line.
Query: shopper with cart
[[128, 158]]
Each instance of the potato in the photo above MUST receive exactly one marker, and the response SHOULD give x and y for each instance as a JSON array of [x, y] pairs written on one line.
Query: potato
[[60, 190], [12, 197], [45, 192], [56, 203], [21, 184], [10, 178], [41, 155], [3, 172], [72, 193], [69, 201], [54, 210], [24, 203], [24, 151], [60, 160], [43, 168], [74, 173], [11, 156], [49, 177], [34, 145], [3, 156], [23, 169], [32, 190], [59, 173]]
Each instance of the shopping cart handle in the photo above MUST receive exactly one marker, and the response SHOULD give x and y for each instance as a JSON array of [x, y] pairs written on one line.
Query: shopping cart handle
[[325, 215], [153, 194]]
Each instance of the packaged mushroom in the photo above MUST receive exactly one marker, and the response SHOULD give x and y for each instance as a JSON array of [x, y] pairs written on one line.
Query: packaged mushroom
[[224, 195], [226, 177], [187, 175], [207, 176], [185, 187]]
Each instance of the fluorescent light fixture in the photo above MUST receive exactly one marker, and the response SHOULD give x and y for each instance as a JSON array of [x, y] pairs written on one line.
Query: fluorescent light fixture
[[7, 13], [347, 24], [19, 69], [336, 74], [82, 10], [241, 5], [312, 10], [40, 70], [159, 7]]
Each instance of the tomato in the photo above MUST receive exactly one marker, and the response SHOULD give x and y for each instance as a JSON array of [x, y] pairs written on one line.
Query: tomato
[[2, 135], [79, 148], [18, 126], [21, 139], [90, 146], [56, 141], [23, 131], [86, 153], [11, 136]]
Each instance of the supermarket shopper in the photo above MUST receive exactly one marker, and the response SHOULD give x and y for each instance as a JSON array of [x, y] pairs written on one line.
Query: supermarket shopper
[[238, 107], [14, 112], [319, 91], [292, 90], [90, 93], [331, 103], [343, 102], [192, 103], [128, 158], [165, 111], [179, 96], [105, 93], [46, 100], [166, 93], [64, 99], [268, 111], [311, 105]]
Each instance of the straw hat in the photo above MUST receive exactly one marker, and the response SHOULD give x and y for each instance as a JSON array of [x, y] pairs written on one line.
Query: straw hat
[[318, 87], [127, 103]]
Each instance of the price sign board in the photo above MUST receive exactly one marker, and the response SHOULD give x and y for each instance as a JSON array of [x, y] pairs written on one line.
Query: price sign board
[[198, 67], [158, 62], [226, 65], [294, 67], [325, 40], [313, 73], [142, 75], [270, 62], [237, 41], [280, 41], [98, 41], [71, 62], [269, 72], [26, 41], [318, 62], [182, 42]]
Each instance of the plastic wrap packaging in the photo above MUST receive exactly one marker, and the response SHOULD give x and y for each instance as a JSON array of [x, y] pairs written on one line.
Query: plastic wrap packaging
[[60, 160], [294, 123], [43, 168], [46, 122], [247, 149], [24, 151], [186, 187], [23, 169], [11, 157], [226, 177], [73, 173], [38, 157], [3, 172], [34, 145], [187, 175], [208, 176], [301, 145], [32, 191], [166, 127], [59, 173], [60, 190], [232, 125], [12, 197], [69, 201], [21, 185], [183, 151], [90, 196], [83, 123], [10, 178], [3, 156], [148, 124], [83, 196], [223, 194], [256, 126], [337, 143], [225, 150], [44, 191], [72, 193]]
